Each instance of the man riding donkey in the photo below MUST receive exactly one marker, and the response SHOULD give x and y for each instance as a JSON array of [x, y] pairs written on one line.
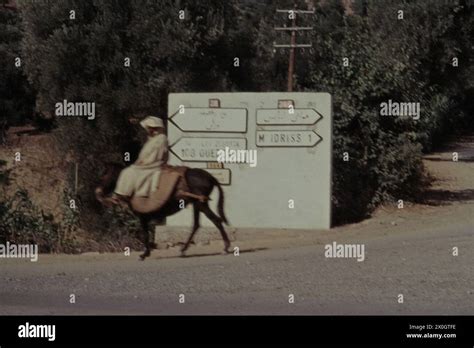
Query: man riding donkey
[[141, 178], [153, 189]]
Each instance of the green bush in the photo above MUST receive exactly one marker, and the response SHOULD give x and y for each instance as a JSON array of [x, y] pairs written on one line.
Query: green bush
[[22, 222], [122, 229], [405, 60]]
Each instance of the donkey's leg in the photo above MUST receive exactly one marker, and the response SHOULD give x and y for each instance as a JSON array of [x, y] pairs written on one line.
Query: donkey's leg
[[195, 228], [218, 222], [145, 237]]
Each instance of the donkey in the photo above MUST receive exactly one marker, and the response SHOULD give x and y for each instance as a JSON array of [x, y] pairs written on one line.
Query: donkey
[[200, 184]]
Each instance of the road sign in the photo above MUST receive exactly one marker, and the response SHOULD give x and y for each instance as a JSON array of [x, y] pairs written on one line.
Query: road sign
[[204, 149], [287, 116], [225, 120], [222, 175], [287, 138], [286, 182]]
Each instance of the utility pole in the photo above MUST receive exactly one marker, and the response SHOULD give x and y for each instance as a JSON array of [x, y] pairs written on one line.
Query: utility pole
[[293, 45]]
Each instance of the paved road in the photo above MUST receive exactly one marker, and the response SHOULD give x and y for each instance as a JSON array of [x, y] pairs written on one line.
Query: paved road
[[419, 265]]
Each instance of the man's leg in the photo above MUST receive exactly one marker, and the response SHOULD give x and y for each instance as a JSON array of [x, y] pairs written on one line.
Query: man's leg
[[123, 189]]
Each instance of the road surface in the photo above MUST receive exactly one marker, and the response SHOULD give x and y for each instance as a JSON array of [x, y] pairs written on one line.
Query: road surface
[[420, 266]]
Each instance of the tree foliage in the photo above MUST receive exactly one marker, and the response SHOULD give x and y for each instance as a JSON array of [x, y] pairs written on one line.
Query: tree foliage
[[16, 95]]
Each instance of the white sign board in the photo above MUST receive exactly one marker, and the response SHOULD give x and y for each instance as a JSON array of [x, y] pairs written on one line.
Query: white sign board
[[290, 185], [204, 149], [289, 116], [287, 138], [210, 119]]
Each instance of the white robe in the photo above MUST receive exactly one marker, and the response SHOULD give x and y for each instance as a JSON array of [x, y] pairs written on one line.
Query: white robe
[[141, 178]]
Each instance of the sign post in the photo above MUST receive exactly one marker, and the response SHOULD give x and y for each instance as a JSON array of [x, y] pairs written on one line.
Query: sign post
[[289, 185]]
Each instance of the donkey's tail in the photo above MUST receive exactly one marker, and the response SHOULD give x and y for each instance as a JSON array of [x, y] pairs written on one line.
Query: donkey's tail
[[220, 203]]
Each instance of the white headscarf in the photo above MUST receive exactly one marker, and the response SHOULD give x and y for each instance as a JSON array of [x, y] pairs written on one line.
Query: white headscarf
[[152, 121]]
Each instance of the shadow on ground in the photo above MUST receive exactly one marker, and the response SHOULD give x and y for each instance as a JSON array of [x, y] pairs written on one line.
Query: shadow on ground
[[444, 197], [241, 251], [460, 159]]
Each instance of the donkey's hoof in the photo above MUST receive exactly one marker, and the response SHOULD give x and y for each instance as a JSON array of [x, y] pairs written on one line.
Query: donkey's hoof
[[184, 247], [144, 256], [183, 250], [226, 251]]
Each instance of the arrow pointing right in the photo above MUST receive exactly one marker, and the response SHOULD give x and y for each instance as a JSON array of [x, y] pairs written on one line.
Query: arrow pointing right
[[286, 138], [287, 116]]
